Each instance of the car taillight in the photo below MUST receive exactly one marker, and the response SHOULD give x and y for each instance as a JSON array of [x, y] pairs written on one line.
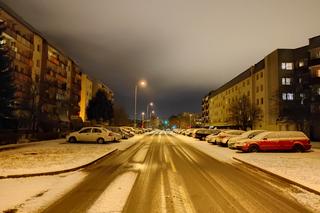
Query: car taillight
[[110, 134]]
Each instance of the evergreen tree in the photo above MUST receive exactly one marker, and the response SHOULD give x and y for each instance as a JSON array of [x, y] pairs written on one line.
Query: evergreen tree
[[100, 108], [6, 85]]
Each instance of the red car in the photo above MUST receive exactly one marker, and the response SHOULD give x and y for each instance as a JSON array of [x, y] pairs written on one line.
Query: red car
[[277, 140]]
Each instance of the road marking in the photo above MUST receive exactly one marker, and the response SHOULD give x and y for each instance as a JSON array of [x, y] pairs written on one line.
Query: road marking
[[114, 198]]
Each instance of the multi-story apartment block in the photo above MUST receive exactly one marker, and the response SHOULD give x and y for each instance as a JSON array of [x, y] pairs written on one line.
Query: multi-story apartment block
[[97, 85], [205, 110], [47, 82], [19, 41], [285, 85], [86, 95]]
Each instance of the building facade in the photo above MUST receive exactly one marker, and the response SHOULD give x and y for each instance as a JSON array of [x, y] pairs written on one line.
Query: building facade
[[86, 95], [47, 82], [285, 85]]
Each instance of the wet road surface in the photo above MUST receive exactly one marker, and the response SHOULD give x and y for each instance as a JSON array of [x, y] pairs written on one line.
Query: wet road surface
[[172, 176]]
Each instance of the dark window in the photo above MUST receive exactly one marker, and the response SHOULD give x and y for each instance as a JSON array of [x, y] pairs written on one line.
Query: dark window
[[85, 130], [96, 130]]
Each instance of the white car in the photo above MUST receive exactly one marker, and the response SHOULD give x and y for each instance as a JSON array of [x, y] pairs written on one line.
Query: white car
[[93, 134]]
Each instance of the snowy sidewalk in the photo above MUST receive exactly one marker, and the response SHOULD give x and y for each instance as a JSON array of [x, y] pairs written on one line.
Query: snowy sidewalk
[[303, 168], [55, 156]]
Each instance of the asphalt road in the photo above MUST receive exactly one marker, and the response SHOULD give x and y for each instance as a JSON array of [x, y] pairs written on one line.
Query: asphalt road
[[175, 177]]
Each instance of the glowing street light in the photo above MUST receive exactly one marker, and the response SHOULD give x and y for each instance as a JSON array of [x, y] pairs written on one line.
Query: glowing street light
[[141, 83]]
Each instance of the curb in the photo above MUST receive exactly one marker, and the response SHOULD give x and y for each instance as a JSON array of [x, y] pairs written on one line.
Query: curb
[[278, 176], [58, 172]]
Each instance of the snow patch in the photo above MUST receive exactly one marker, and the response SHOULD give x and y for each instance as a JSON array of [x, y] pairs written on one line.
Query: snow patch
[[36, 193], [114, 198]]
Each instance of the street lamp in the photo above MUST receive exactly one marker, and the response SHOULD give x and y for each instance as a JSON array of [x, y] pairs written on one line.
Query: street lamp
[[142, 118], [190, 115], [142, 84]]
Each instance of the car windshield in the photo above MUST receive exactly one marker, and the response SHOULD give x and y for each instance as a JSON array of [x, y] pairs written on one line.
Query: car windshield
[[261, 136]]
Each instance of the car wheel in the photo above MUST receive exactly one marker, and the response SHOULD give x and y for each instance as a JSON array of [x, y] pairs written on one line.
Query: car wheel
[[100, 140], [253, 148], [298, 148], [72, 140]]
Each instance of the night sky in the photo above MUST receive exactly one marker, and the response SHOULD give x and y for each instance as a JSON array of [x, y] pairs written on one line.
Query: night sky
[[183, 48]]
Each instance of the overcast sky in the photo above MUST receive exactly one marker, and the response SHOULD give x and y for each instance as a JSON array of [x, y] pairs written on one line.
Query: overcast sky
[[183, 48]]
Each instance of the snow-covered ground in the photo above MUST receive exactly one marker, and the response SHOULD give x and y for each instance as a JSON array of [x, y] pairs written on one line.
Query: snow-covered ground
[[36, 193], [55, 156], [303, 168], [114, 198]]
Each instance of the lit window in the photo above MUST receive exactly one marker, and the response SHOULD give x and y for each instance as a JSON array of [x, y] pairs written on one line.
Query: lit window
[[284, 96], [301, 63], [318, 91], [287, 66], [318, 73], [289, 96], [286, 81]]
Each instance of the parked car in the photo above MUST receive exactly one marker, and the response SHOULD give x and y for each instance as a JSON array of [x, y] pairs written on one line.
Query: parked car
[[249, 134], [201, 134], [227, 134], [276, 140], [119, 130], [212, 138], [93, 134]]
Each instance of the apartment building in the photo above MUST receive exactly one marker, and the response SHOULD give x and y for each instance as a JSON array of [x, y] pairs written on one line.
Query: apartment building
[[47, 82], [97, 85], [86, 95], [205, 110], [19, 41], [285, 85]]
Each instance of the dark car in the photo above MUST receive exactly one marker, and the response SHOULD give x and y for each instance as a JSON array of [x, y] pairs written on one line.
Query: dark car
[[201, 134]]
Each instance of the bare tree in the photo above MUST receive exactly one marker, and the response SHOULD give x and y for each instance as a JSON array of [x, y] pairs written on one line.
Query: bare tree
[[243, 113]]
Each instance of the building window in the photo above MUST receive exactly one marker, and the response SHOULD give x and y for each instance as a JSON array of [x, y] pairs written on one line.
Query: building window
[[301, 63], [286, 81], [257, 76], [38, 48], [261, 100], [257, 89], [287, 66], [287, 96], [38, 63], [318, 91], [257, 101], [248, 82], [248, 94], [284, 96], [300, 80], [290, 96], [261, 75], [261, 88]]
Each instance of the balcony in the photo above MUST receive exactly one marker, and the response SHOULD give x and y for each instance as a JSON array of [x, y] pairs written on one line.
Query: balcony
[[314, 62]]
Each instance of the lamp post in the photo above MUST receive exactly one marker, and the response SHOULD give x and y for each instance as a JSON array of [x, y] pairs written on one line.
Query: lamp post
[[142, 118], [141, 83], [190, 115], [151, 105], [151, 113]]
